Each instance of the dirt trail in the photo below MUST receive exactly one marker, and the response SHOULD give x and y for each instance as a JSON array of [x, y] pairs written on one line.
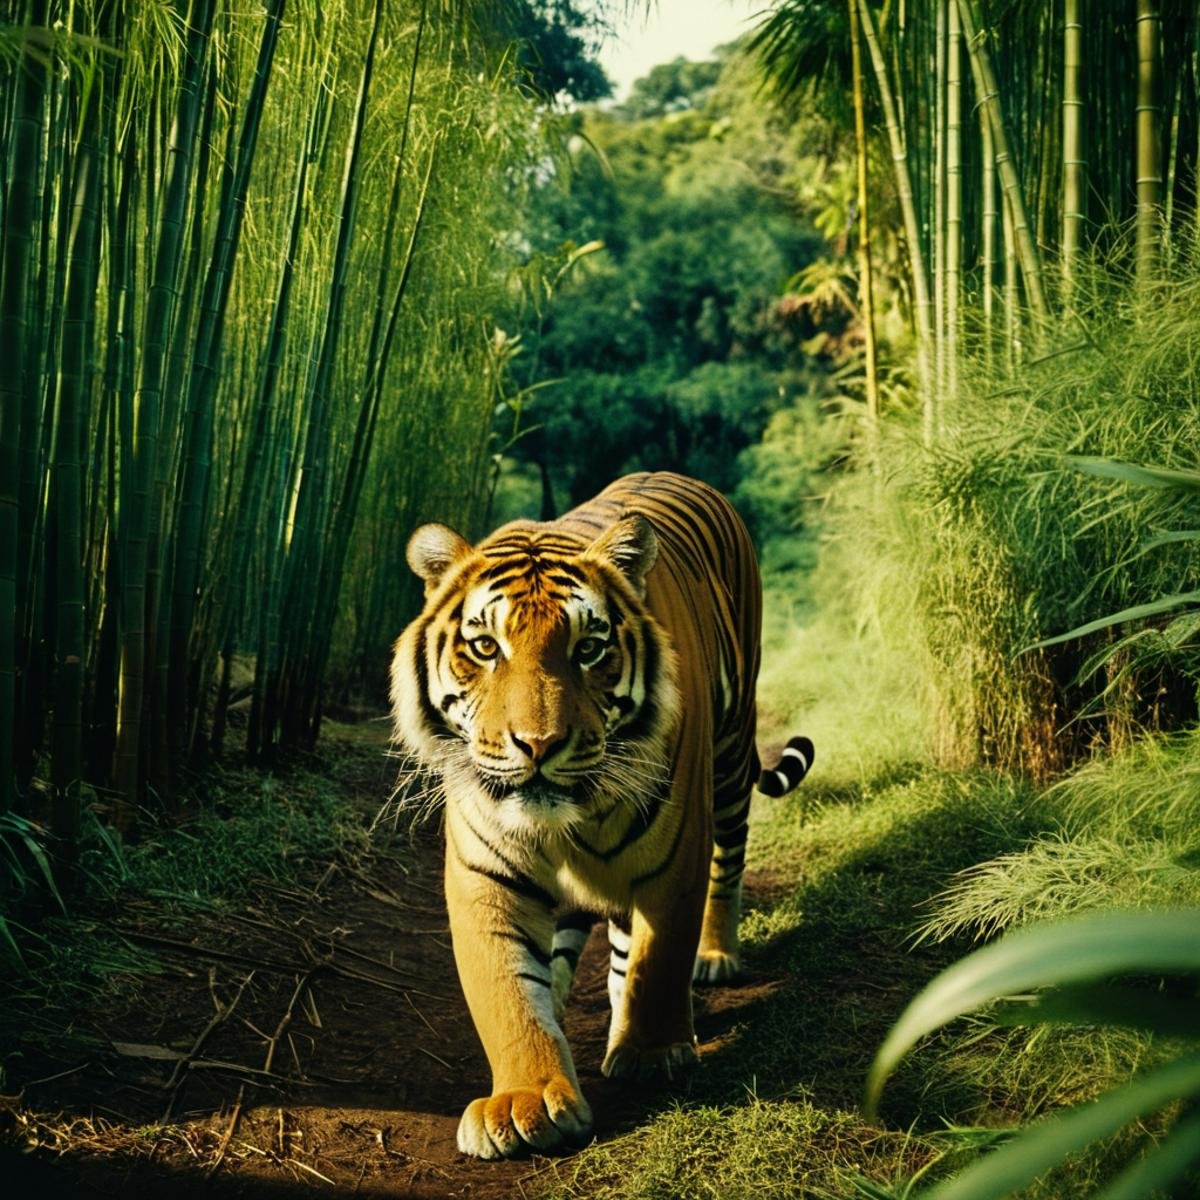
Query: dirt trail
[[314, 1037]]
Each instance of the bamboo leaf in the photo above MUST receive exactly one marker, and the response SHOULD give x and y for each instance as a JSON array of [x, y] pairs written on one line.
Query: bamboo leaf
[[1127, 472], [1169, 537], [1139, 611], [1095, 946], [1133, 1008]]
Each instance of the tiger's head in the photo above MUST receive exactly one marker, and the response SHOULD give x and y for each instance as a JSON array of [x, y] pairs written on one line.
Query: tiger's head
[[535, 683]]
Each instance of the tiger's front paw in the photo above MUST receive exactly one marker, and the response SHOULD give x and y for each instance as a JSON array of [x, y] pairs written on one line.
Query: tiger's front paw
[[715, 966], [510, 1124], [627, 1061]]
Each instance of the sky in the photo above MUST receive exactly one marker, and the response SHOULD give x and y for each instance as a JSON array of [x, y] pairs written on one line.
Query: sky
[[691, 28]]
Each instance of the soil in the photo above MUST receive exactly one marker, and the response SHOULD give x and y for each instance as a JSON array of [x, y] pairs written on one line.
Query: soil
[[312, 1039]]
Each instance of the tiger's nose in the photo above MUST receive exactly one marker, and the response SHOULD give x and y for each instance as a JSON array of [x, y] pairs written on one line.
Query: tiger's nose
[[538, 749]]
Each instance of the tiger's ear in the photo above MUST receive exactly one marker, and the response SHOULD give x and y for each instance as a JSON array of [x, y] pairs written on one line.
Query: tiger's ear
[[630, 545], [433, 550]]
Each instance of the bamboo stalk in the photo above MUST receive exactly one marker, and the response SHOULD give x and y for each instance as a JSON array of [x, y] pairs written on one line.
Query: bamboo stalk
[[20, 227], [921, 298], [1025, 247], [305, 547], [1149, 140], [1074, 162], [940, 230], [196, 471], [866, 289], [67, 484], [141, 455], [954, 194]]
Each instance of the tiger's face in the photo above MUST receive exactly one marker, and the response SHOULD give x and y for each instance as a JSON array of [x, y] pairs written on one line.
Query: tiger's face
[[535, 682]]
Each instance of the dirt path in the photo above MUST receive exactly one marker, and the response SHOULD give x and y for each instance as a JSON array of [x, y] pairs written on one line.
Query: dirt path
[[313, 1038]]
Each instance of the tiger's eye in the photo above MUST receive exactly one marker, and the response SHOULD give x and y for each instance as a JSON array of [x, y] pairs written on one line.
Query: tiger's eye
[[590, 650], [484, 647]]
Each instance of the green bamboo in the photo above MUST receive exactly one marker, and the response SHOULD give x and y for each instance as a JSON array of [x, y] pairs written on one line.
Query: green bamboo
[[912, 233], [1149, 140], [20, 226], [939, 228], [1026, 249], [954, 194], [259, 451], [141, 455], [67, 483], [202, 391], [305, 544], [866, 289], [1074, 162]]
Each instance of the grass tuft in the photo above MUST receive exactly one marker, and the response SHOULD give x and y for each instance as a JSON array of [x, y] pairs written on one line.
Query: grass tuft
[[761, 1149]]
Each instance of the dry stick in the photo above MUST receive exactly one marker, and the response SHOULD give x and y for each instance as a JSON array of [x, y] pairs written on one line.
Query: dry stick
[[223, 1013], [284, 1022], [423, 1018]]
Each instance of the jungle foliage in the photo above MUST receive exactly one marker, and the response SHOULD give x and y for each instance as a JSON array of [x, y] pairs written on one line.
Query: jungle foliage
[[648, 350], [248, 259]]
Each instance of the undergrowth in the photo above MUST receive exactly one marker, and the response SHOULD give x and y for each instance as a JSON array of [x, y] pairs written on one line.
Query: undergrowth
[[939, 569], [252, 828]]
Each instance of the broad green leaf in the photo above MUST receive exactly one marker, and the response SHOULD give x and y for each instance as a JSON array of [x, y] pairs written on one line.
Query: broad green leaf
[[1126, 472], [1136, 613], [1045, 1145], [1168, 536], [1156, 1169], [1104, 1004], [1095, 946], [110, 843]]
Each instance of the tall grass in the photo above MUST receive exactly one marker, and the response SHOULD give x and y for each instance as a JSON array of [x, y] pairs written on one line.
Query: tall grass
[[938, 573]]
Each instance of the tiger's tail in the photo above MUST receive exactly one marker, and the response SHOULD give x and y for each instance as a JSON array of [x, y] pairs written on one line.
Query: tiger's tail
[[795, 763]]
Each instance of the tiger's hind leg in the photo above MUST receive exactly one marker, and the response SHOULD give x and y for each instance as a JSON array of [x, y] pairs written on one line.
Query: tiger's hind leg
[[719, 957], [571, 932], [619, 939]]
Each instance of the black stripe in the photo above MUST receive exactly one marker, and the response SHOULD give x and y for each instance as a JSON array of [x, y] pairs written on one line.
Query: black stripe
[[643, 819], [572, 956], [727, 840], [523, 939], [432, 717], [737, 858], [533, 978], [576, 919], [647, 717], [725, 824], [617, 971], [666, 862], [522, 885]]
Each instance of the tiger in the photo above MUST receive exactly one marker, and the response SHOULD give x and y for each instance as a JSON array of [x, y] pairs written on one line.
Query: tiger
[[582, 690]]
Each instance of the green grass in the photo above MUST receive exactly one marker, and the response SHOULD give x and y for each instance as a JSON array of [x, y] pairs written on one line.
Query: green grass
[[938, 572], [1124, 833], [758, 1149]]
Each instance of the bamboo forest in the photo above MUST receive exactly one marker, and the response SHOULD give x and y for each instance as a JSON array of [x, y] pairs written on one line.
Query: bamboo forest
[[913, 284]]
